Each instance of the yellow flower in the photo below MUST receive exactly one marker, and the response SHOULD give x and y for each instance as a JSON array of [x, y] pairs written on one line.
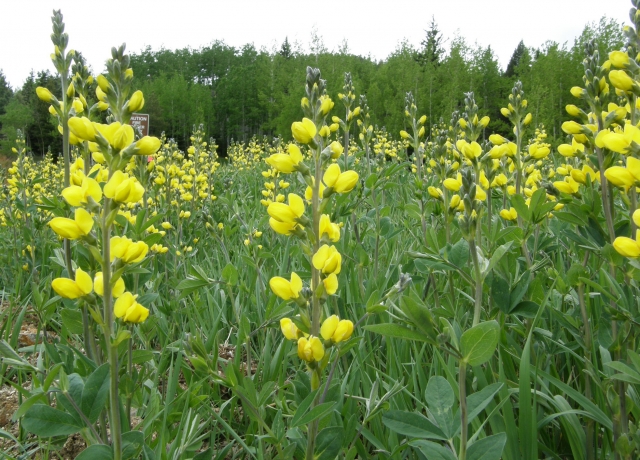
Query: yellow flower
[[328, 228], [128, 251], [330, 284], [136, 102], [497, 139], [335, 329], [336, 149], [340, 182], [127, 308], [286, 163], [75, 228], [620, 177], [303, 131], [621, 80], [286, 289], [79, 195], [148, 145], [82, 128], [123, 188], [289, 329], [45, 95], [453, 184], [98, 286], [636, 217], [290, 213], [509, 214], [310, 349], [627, 247], [327, 259], [435, 192], [117, 135], [569, 186], [481, 195], [72, 289], [329, 326], [619, 59]]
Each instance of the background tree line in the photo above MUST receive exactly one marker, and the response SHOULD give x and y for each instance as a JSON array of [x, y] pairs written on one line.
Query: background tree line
[[240, 92]]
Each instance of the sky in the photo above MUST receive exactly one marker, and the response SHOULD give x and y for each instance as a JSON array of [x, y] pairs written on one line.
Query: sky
[[372, 27]]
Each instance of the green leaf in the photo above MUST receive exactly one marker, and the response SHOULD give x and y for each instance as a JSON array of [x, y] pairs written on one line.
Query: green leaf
[[489, 448], [317, 412], [397, 331], [440, 398], [476, 404], [527, 309], [627, 374], [433, 451], [132, 443], [412, 424], [45, 421], [500, 292], [230, 274], [497, 255], [479, 343], [517, 201], [96, 452], [459, 253], [328, 443], [72, 320], [187, 286], [95, 393]]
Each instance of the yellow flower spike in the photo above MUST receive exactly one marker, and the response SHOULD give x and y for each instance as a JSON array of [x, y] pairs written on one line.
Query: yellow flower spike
[[80, 226], [286, 289], [327, 259], [343, 331], [304, 131], [289, 329], [330, 284], [626, 247], [116, 290], [509, 214], [129, 310], [620, 177], [310, 349], [329, 326]]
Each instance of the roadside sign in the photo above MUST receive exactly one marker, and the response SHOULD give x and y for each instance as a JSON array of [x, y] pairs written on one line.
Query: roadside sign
[[140, 121]]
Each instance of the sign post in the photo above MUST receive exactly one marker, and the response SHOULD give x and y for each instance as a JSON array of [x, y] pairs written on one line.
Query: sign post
[[140, 122]]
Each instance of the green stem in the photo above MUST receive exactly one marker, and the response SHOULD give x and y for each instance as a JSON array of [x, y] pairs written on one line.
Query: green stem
[[462, 392], [114, 402], [477, 309]]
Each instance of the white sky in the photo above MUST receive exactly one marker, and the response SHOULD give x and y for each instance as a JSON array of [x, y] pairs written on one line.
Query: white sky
[[371, 27]]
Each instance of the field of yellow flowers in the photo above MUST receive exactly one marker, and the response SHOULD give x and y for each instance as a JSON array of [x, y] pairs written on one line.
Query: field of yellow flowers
[[444, 295]]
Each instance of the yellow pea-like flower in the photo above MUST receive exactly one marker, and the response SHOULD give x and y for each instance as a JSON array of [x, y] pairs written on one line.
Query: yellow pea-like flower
[[290, 213], [304, 131], [45, 95], [330, 284], [328, 228], [72, 289], [621, 80], [343, 331], [286, 289], [78, 195], [620, 176], [136, 102], [509, 214], [148, 145], [310, 349], [116, 291], [75, 228], [327, 259], [289, 329], [129, 310], [329, 326], [128, 251], [626, 247]]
